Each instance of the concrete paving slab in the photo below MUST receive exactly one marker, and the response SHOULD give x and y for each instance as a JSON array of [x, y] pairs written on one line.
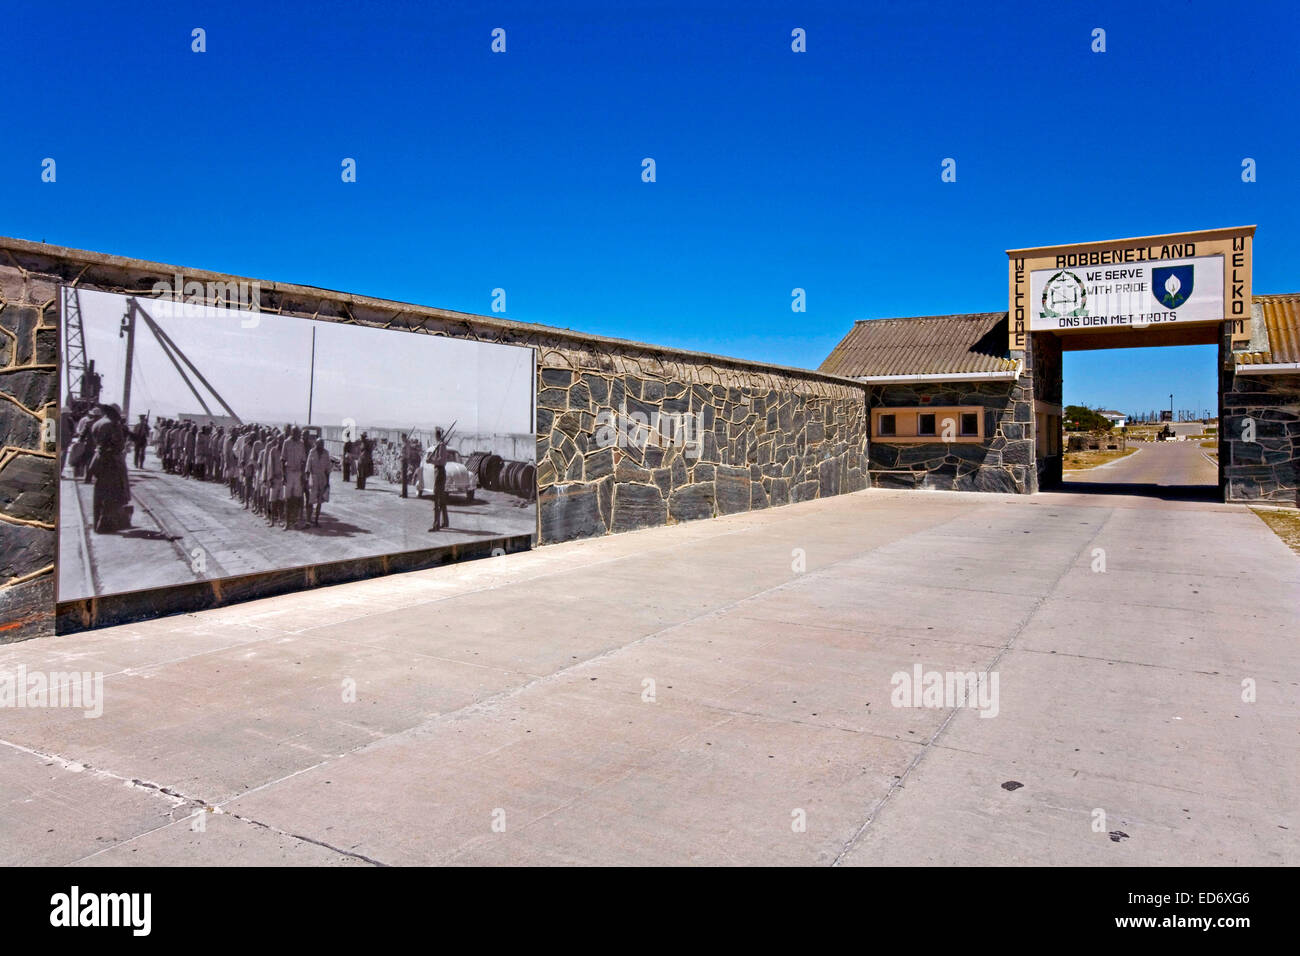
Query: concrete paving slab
[[1065, 821], [518, 684], [916, 610], [1185, 638]]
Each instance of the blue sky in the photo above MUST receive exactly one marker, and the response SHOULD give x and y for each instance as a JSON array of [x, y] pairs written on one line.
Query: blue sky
[[775, 170]]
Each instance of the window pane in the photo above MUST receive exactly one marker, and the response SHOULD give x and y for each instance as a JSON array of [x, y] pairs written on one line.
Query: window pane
[[925, 425], [886, 426], [970, 424]]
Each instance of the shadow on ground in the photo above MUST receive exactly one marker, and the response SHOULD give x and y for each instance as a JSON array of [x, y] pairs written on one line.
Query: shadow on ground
[[1142, 490]]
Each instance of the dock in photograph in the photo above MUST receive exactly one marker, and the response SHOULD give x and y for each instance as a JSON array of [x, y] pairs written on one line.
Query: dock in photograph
[[186, 530]]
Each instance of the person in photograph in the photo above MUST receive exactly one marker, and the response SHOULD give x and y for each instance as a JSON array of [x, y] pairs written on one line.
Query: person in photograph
[[260, 487], [248, 467], [182, 438], [139, 439], [107, 469], [318, 479], [415, 455], [167, 448], [89, 423], [273, 476], [259, 447], [365, 460], [201, 439], [182, 430], [178, 448], [413, 452], [294, 458], [230, 463], [403, 463], [271, 437], [259, 473], [235, 471], [83, 448], [213, 470], [209, 433], [67, 434], [440, 517], [191, 443]]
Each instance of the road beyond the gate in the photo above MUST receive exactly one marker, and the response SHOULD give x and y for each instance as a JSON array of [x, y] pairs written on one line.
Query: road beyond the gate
[[1156, 467], [719, 692]]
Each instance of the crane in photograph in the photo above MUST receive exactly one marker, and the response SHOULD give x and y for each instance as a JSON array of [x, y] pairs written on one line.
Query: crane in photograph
[[173, 352], [83, 382]]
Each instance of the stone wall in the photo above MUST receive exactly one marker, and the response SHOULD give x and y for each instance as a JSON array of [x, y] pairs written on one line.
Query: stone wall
[[754, 440], [29, 387], [1047, 364], [761, 435], [1004, 461], [1267, 468]]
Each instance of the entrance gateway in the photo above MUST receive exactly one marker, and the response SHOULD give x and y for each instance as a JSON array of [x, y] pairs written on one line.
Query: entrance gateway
[[974, 401], [1163, 283]]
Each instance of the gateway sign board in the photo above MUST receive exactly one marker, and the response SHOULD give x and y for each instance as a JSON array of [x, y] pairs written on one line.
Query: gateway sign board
[[1141, 283], [1128, 294]]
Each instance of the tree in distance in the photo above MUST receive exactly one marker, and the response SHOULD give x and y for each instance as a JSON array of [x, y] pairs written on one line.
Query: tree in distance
[[1081, 418]]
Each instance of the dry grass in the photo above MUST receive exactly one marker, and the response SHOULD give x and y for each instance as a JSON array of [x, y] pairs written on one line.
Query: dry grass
[[1083, 460], [1285, 524]]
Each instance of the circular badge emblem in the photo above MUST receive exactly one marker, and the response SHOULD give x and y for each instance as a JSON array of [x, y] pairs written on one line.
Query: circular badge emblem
[[1064, 296]]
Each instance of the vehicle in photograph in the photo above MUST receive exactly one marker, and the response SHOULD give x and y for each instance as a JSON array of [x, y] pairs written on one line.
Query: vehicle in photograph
[[460, 480]]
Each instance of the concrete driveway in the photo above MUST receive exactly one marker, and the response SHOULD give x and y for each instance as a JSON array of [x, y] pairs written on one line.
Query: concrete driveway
[[1165, 468], [720, 692]]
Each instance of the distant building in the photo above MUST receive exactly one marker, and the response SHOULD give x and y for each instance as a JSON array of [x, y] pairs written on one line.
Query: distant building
[[948, 408], [203, 418], [1116, 419]]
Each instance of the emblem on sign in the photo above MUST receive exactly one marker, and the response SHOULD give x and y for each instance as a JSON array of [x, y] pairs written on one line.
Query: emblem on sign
[[1172, 285], [1064, 295]]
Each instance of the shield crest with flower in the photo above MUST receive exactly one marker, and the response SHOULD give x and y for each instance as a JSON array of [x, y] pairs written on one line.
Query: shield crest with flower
[[1172, 285]]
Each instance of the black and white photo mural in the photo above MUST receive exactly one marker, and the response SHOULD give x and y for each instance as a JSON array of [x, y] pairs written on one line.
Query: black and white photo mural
[[198, 443]]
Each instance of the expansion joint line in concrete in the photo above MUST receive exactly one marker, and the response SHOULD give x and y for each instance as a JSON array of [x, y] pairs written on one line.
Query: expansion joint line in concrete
[[177, 800], [928, 745]]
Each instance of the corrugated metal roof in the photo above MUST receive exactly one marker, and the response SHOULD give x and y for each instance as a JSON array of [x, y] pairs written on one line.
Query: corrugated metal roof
[[1281, 315], [923, 345]]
